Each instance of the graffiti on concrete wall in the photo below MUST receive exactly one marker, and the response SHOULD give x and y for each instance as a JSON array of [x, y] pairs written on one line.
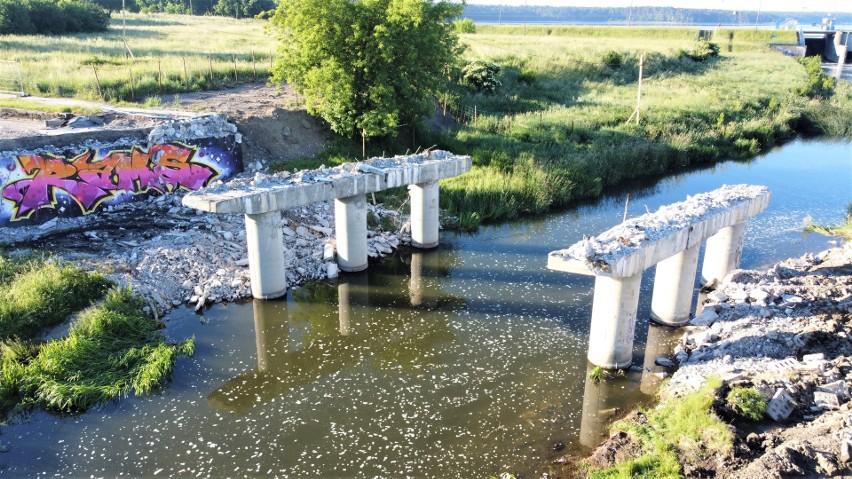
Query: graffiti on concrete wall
[[38, 187]]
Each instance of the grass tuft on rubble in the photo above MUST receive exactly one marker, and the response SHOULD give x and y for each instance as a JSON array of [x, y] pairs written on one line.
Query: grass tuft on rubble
[[678, 431]]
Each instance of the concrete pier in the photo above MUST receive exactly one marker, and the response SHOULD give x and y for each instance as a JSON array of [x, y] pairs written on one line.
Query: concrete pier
[[614, 321], [669, 238], [262, 197], [350, 225], [424, 215], [267, 266], [671, 302], [723, 253]]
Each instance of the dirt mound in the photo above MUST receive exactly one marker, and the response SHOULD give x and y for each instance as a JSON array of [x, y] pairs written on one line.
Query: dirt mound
[[272, 120]]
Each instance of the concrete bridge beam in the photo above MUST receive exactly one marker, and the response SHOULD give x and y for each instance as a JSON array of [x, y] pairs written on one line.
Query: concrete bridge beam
[[671, 302], [424, 215], [614, 307], [267, 266], [350, 223], [723, 252]]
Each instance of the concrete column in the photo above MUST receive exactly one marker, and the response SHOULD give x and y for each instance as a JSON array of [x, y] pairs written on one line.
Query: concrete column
[[673, 288], [350, 223], [266, 255], [723, 252], [614, 321], [424, 215]]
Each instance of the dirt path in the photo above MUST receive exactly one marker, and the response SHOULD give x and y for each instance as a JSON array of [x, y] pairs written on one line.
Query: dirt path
[[272, 120]]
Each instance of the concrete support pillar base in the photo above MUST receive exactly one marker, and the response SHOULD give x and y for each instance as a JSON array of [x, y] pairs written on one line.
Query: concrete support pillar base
[[266, 255], [424, 215], [673, 288], [723, 252], [614, 321], [350, 223]]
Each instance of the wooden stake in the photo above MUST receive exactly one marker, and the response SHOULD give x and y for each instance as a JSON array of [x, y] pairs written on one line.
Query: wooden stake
[[474, 116], [364, 144], [236, 78], [159, 76], [639, 94], [132, 87], [98, 81], [185, 74], [253, 67], [626, 202], [446, 99], [212, 81]]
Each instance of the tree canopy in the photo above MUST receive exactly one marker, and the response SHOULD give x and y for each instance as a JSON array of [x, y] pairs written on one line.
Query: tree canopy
[[367, 66]]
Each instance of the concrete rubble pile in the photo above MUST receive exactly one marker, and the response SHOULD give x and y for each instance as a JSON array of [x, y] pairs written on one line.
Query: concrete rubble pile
[[785, 331], [198, 127], [196, 258]]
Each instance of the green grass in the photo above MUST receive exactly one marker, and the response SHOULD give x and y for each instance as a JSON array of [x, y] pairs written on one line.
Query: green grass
[[747, 402], [37, 294], [678, 431], [43, 107], [556, 129], [64, 66], [843, 230], [112, 349]]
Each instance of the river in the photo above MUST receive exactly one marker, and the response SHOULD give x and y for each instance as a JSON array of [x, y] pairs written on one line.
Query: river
[[461, 362]]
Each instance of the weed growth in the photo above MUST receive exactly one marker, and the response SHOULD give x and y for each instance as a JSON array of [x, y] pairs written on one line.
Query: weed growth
[[679, 430], [747, 402]]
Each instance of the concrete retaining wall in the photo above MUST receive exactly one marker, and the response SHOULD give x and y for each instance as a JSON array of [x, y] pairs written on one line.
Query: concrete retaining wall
[[42, 184]]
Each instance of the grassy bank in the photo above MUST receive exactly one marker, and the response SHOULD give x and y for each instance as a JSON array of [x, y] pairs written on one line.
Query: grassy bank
[[112, 349], [556, 128], [171, 54], [679, 431], [843, 230]]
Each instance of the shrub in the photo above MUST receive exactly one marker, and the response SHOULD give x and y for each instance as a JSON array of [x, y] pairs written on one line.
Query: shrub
[[51, 17], [818, 84], [481, 76], [747, 402], [464, 25], [702, 51], [612, 59]]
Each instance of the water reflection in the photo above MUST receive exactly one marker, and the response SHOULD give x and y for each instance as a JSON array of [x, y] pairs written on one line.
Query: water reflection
[[602, 401], [298, 344]]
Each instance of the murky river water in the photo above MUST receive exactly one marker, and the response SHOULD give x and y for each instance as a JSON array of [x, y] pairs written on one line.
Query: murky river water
[[461, 362]]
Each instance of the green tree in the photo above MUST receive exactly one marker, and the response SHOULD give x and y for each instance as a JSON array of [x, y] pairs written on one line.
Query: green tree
[[366, 66]]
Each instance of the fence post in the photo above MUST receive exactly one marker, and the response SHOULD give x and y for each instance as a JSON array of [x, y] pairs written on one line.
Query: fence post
[[236, 78], [253, 67], [212, 81], [159, 76], [132, 87], [98, 81], [185, 75], [474, 116]]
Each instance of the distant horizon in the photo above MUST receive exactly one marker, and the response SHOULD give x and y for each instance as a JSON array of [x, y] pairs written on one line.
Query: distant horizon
[[823, 7]]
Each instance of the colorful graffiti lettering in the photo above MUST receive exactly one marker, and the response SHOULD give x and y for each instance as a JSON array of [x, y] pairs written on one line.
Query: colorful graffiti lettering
[[90, 180]]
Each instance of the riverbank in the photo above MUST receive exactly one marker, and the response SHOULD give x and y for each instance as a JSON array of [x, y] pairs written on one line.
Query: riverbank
[[785, 332]]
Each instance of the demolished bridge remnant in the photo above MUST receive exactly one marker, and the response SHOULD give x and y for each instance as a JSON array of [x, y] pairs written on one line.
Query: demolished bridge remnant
[[669, 238], [262, 198]]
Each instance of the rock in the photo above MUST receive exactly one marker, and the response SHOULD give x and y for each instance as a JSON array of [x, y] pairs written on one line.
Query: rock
[[826, 400], [328, 252], [739, 296], [791, 298], [242, 262], [664, 362], [706, 318], [758, 294], [717, 297], [812, 358], [306, 124], [54, 122], [780, 406]]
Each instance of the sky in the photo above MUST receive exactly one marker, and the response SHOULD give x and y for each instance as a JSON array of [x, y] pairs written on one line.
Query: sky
[[812, 6]]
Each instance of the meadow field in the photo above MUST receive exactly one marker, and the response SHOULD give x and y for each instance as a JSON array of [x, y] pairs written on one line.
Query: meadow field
[[557, 130], [171, 54]]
